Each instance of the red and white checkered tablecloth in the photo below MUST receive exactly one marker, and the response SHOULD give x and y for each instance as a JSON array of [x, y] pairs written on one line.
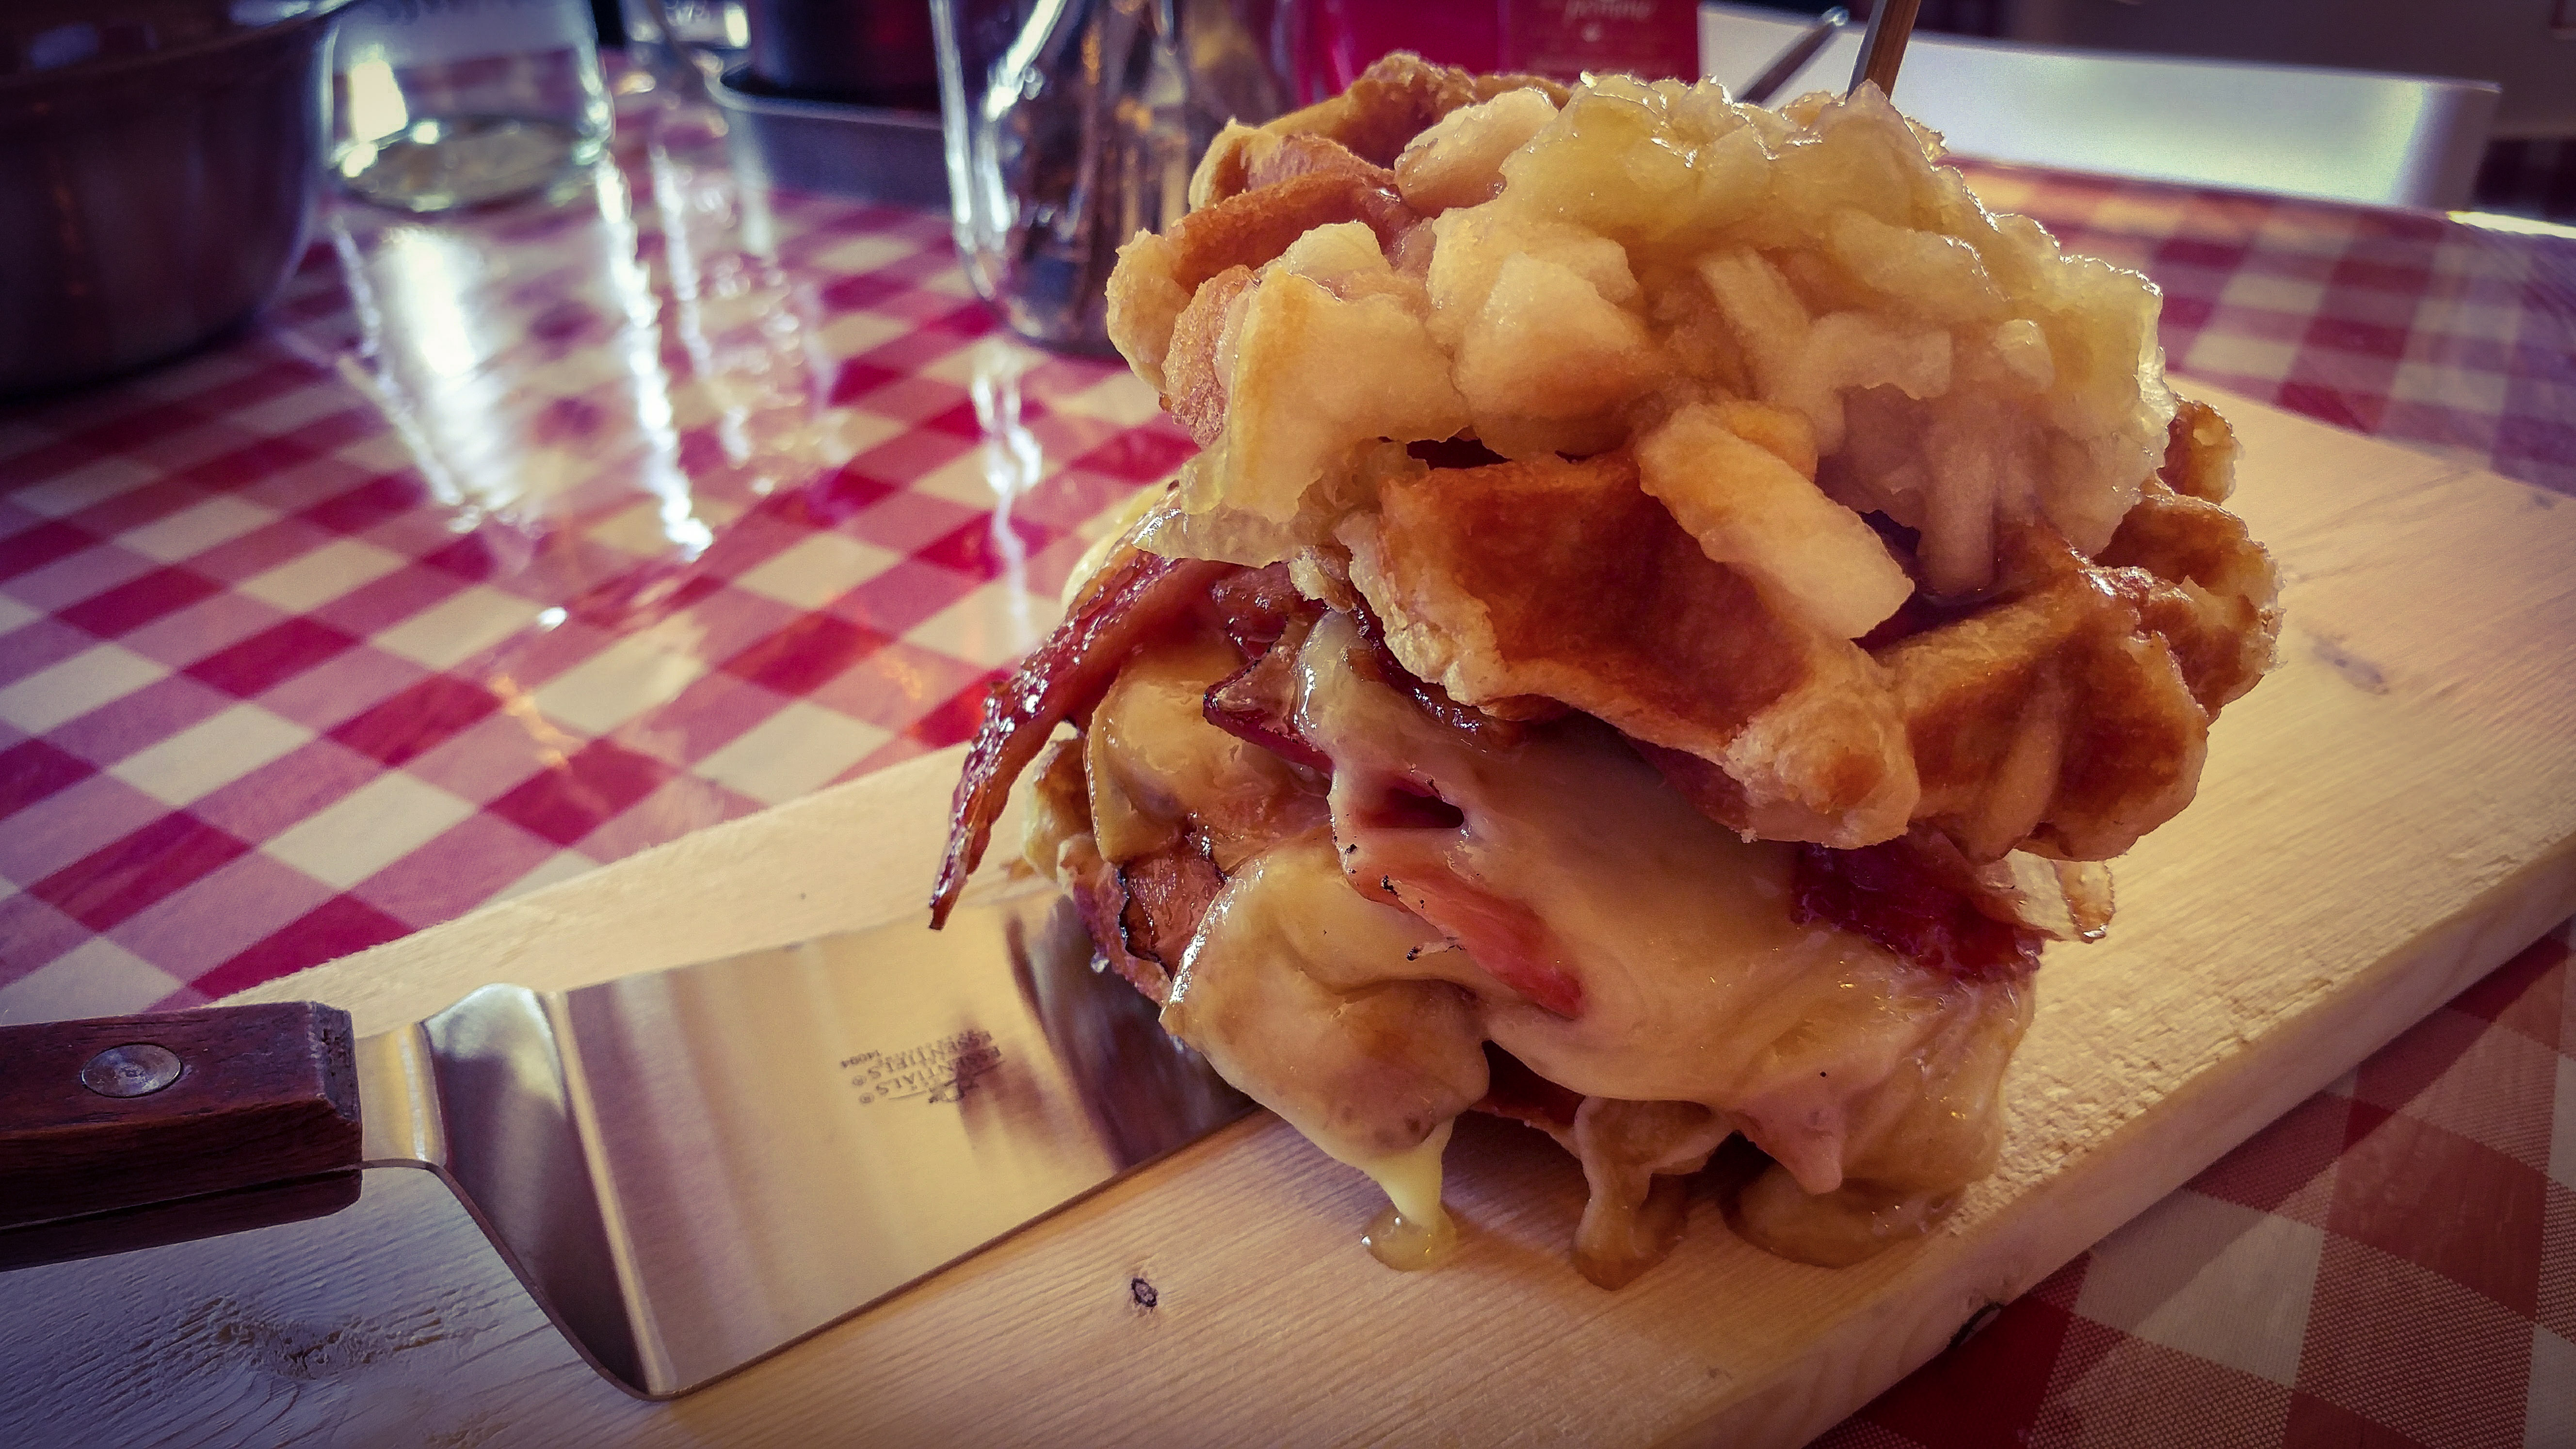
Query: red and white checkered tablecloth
[[513, 545], [2408, 326], [2392, 1264], [510, 544]]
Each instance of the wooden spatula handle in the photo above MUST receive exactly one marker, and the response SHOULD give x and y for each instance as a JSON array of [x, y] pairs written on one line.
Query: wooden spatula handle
[[121, 1111]]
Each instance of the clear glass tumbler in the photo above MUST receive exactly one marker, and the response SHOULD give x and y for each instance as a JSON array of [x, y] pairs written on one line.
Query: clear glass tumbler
[[438, 104], [661, 36], [1073, 124]]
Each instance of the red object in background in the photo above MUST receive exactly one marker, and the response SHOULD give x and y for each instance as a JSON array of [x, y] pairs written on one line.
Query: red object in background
[[871, 52], [1562, 38], [1654, 39], [1343, 36]]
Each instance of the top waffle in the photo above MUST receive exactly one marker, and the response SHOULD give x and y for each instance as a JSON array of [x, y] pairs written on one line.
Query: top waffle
[[1749, 432]]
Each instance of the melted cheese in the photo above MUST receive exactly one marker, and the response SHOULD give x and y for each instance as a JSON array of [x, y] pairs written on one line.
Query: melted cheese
[[1703, 1009], [1369, 1072], [1415, 1231], [1153, 761], [1696, 985], [1374, 1075]]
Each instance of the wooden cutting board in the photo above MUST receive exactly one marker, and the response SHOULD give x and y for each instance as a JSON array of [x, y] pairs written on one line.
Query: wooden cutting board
[[2390, 815]]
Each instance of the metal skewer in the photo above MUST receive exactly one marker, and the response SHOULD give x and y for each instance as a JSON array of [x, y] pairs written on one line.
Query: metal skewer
[[1759, 90], [1882, 49]]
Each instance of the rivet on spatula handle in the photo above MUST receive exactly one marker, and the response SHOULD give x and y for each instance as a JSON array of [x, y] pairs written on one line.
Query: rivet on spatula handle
[[119, 1112]]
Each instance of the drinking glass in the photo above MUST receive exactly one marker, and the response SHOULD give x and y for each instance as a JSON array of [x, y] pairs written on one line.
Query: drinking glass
[[662, 34], [1073, 124], [439, 104]]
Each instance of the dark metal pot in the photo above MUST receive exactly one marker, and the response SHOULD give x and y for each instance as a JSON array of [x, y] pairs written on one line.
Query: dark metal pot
[[158, 164], [860, 52]]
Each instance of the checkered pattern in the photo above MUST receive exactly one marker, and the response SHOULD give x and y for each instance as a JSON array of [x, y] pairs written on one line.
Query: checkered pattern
[[2394, 1263], [516, 543], [2399, 324]]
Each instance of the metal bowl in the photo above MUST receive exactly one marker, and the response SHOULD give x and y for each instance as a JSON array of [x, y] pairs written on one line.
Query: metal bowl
[[158, 163]]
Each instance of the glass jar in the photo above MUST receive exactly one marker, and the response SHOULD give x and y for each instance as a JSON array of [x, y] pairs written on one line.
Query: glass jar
[[439, 104], [1073, 124]]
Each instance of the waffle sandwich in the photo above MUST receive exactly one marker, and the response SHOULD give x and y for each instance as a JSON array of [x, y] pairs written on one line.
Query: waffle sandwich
[[1675, 605]]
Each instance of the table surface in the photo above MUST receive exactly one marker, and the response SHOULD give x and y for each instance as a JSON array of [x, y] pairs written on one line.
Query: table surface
[[511, 544]]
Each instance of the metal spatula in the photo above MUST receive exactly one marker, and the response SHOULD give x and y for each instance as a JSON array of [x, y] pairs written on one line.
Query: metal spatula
[[690, 1169]]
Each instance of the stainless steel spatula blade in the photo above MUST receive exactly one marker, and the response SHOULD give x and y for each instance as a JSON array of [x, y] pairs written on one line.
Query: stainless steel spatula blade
[[694, 1168]]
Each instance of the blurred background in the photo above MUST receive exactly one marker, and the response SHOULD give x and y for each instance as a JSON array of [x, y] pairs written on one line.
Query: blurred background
[[2528, 166], [2527, 46]]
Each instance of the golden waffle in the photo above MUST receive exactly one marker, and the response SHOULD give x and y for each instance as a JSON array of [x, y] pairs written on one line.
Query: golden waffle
[[2062, 706]]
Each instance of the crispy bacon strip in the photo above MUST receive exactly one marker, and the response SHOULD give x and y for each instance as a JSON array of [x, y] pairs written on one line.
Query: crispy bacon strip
[[1256, 606], [1893, 893], [1267, 619], [1137, 596], [1098, 895], [1167, 891], [1257, 703]]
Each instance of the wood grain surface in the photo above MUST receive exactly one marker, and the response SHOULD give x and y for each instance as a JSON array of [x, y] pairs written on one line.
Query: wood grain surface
[[2389, 816]]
